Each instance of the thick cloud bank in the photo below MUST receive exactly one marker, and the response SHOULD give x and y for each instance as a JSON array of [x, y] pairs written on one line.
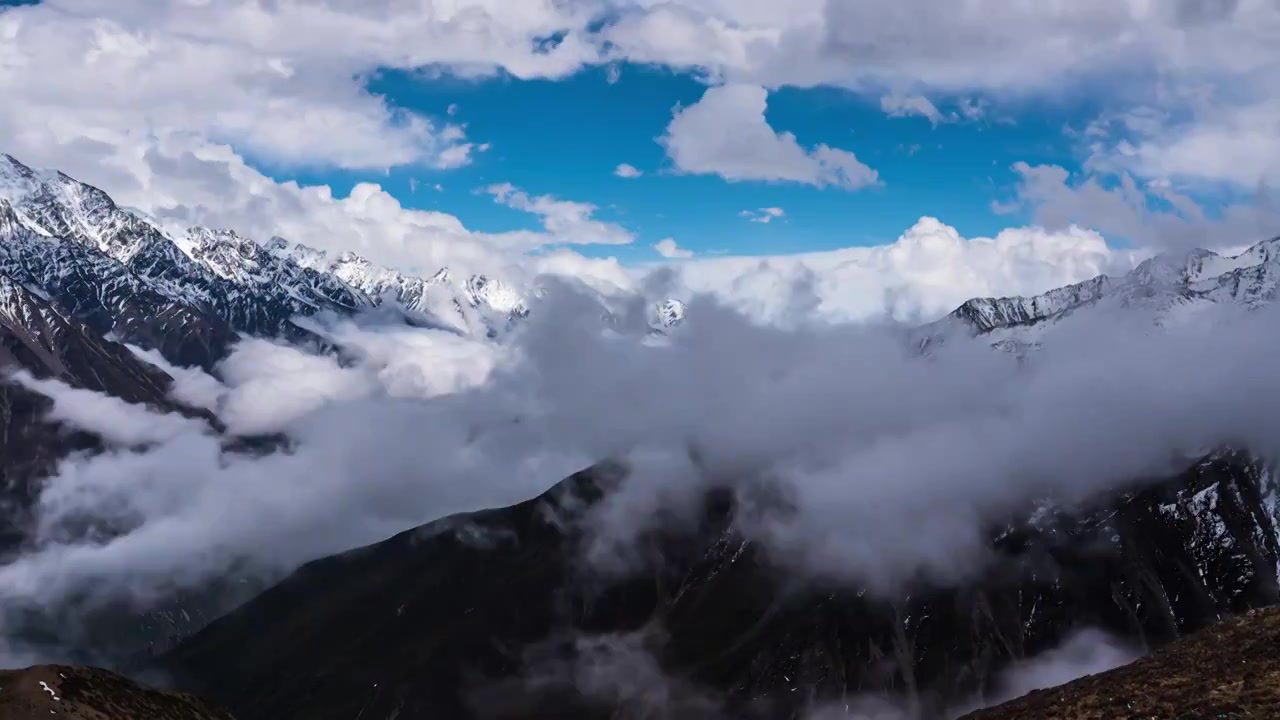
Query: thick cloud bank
[[888, 458], [872, 441]]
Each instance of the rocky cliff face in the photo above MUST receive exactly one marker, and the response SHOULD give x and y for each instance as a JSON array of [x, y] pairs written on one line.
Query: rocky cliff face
[[492, 615]]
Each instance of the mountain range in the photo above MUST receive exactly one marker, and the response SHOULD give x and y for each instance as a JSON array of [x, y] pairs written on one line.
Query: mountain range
[[190, 294], [490, 615]]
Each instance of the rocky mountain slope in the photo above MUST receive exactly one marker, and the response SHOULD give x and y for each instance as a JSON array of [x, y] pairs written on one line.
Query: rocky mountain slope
[[1230, 670], [80, 693], [494, 615]]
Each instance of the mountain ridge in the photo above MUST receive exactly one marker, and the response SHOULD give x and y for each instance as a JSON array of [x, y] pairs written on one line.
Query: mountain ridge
[[206, 277], [1163, 281]]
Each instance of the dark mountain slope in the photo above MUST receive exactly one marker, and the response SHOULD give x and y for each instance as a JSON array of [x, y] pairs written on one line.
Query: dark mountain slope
[[1230, 670], [80, 693], [493, 615]]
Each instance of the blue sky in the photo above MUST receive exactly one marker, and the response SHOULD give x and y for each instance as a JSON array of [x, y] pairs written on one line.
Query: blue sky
[[1152, 124], [565, 138]]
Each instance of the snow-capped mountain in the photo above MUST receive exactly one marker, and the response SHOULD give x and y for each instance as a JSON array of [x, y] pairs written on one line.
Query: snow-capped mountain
[[670, 312], [479, 303], [188, 294], [1164, 286]]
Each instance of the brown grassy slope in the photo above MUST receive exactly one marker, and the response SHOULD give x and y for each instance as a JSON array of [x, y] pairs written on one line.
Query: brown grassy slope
[[1228, 671], [80, 693]]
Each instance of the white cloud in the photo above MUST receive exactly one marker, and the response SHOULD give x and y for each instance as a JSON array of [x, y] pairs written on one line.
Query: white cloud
[[1215, 64], [289, 92], [668, 248], [191, 386], [1236, 145], [127, 75], [626, 171], [113, 419], [764, 215], [828, 411], [908, 105], [927, 272], [1125, 211], [726, 134], [565, 221]]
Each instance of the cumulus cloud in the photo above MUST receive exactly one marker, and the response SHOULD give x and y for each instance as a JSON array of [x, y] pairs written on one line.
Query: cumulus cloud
[[668, 248], [291, 92], [627, 171], [928, 271], [763, 215], [726, 134]]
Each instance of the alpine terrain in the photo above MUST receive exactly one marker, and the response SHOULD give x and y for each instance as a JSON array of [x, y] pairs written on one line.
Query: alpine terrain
[[495, 614]]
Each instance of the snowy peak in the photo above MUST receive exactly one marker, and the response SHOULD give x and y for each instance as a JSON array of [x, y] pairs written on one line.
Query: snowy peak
[[464, 305], [670, 312], [495, 295], [1158, 284], [254, 288], [251, 287], [986, 314], [16, 180]]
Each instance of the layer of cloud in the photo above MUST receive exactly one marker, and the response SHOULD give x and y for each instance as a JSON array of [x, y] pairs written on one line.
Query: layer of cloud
[[416, 424], [726, 134], [927, 272], [627, 171]]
